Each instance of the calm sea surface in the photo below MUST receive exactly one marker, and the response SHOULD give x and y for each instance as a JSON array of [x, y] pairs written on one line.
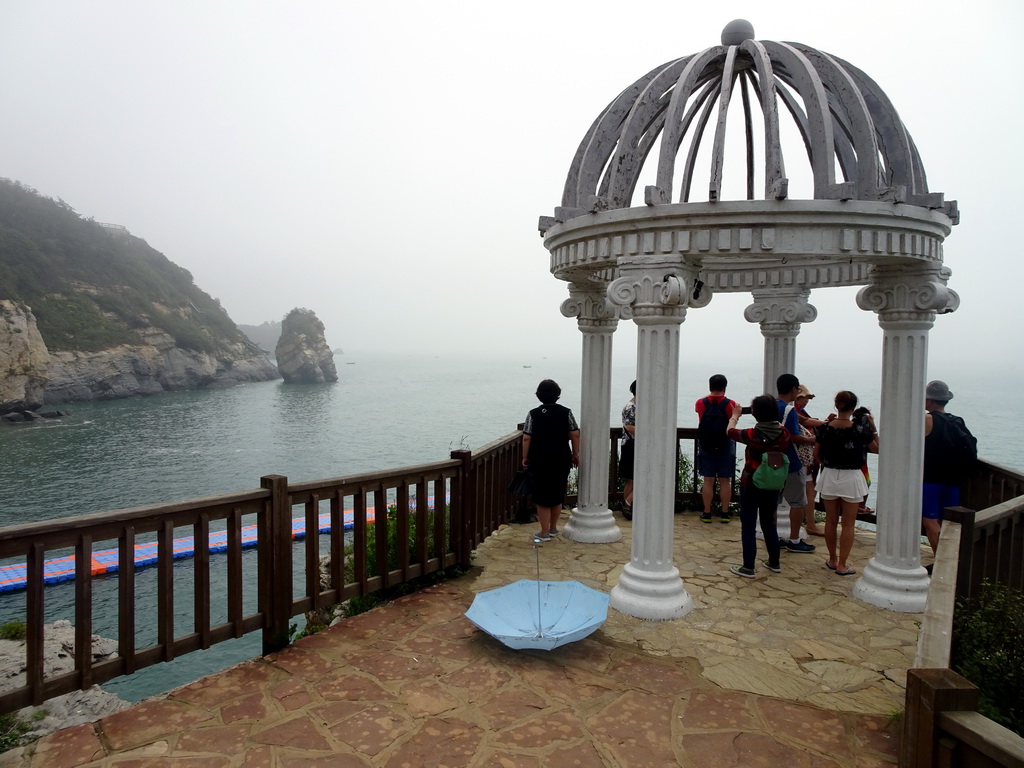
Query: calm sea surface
[[384, 413]]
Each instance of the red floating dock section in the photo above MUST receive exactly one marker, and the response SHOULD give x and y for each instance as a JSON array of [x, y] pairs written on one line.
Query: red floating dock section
[[15, 577]]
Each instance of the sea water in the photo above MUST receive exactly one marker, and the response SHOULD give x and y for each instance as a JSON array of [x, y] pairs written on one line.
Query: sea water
[[385, 412]]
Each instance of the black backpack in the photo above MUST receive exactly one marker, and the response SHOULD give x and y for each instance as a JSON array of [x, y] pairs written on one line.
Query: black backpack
[[711, 434], [959, 446]]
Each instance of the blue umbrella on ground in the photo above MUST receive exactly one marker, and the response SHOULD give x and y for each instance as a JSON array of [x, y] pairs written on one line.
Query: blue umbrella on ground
[[539, 614]]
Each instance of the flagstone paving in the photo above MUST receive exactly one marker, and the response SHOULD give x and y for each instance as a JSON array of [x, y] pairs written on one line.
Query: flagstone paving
[[782, 670]]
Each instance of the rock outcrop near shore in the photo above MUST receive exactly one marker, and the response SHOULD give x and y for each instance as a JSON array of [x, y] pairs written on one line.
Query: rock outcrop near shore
[[150, 369], [24, 359], [31, 375], [303, 355], [58, 658]]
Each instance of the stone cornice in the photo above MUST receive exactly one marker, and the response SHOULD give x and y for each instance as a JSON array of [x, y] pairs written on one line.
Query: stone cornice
[[740, 246]]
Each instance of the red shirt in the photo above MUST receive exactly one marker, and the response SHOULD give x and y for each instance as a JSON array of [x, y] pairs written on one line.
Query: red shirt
[[714, 400]]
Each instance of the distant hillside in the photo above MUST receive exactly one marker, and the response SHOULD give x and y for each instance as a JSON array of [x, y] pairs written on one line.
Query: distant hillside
[[265, 334], [88, 311], [92, 287]]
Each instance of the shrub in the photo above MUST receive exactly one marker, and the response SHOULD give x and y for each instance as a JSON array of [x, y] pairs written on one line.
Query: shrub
[[12, 729], [362, 603], [987, 651], [13, 630]]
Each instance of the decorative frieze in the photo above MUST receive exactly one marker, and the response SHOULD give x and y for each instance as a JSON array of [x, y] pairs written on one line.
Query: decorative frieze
[[760, 246]]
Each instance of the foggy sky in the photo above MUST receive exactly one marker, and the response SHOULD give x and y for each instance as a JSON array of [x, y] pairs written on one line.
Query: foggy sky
[[384, 164]]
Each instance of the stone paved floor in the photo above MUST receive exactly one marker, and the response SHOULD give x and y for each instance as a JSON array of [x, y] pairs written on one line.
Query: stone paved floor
[[782, 670]]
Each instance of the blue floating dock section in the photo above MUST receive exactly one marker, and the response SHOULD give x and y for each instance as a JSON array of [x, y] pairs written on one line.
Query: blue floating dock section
[[58, 569]]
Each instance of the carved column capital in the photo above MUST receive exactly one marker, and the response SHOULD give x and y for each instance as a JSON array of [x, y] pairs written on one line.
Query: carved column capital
[[650, 298], [590, 306], [908, 297], [780, 312]]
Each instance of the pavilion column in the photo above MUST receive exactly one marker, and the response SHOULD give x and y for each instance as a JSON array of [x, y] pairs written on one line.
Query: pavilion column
[[780, 312], [906, 303], [592, 521], [653, 292]]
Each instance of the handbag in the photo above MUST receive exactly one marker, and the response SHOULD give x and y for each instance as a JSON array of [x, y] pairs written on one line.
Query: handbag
[[520, 484]]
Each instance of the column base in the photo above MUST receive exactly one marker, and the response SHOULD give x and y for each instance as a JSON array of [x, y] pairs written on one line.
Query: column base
[[904, 590], [592, 526], [652, 595]]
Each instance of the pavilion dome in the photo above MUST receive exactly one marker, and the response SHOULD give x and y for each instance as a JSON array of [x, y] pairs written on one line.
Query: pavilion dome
[[854, 145]]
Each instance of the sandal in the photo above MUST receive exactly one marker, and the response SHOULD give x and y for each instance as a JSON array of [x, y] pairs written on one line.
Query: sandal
[[847, 572], [814, 531], [829, 565]]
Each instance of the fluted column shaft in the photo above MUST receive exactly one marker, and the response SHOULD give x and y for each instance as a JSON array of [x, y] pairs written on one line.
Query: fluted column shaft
[[592, 521], [780, 313], [906, 304], [654, 294]]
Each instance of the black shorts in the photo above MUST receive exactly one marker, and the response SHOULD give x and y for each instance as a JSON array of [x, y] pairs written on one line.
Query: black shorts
[[626, 460]]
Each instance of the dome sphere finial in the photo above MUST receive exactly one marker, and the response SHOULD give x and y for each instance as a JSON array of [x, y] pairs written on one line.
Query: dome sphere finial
[[736, 31]]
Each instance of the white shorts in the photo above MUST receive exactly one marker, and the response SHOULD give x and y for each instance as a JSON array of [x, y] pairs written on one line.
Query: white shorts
[[845, 484]]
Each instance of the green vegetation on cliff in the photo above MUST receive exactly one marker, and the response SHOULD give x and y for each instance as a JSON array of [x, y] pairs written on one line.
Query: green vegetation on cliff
[[92, 287]]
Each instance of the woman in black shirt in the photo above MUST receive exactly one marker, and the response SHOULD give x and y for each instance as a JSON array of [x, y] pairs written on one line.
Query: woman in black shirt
[[842, 447]]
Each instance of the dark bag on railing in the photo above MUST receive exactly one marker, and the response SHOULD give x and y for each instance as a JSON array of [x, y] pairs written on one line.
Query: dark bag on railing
[[520, 484]]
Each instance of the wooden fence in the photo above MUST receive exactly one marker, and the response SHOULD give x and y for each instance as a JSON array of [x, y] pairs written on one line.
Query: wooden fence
[[942, 726], [436, 514]]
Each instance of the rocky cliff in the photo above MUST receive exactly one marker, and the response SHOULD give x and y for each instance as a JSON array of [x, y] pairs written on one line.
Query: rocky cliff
[[90, 312], [24, 359], [303, 355], [149, 369]]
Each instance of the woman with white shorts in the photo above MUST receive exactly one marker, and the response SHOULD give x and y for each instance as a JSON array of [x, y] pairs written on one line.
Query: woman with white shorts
[[841, 448]]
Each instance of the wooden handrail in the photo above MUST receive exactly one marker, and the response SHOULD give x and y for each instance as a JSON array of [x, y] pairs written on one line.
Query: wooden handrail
[[941, 724]]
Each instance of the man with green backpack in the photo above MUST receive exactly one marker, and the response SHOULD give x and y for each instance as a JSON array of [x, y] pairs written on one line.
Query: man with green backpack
[[765, 470]]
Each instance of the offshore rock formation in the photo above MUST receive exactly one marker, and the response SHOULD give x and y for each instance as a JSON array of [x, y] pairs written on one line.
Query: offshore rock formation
[[156, 366], [23, 359], [303, 355]]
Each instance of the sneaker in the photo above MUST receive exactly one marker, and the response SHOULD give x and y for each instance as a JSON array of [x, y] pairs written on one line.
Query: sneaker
[[725, 519], [543, 536], [770, 567], [553, 532], [747, 573], [800, 546], [706, 517]]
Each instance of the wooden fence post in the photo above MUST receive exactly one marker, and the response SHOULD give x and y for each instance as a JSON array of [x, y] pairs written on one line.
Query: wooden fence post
[[965, 561], [929, 692], [275, 543], [464, 510]]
